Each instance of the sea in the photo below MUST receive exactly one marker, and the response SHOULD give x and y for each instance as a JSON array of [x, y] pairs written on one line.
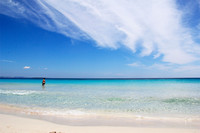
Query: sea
[[118, 102]]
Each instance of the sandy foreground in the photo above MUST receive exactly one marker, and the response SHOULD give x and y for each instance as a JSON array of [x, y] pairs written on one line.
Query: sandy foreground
[[16, 124]]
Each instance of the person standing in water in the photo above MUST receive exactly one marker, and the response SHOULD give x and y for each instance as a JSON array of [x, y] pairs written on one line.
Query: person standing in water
[[43, 82]]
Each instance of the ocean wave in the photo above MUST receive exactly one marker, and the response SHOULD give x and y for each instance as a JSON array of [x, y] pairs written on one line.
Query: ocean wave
[[17, 92]]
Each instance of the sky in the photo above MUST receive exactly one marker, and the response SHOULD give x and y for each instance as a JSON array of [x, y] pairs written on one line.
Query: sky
[[100, 39]]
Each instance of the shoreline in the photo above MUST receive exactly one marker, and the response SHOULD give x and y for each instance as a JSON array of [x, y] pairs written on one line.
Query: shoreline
[[16, 124], [71, 118]]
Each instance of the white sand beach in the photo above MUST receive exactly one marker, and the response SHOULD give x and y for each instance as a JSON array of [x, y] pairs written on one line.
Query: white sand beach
[[16, 124]]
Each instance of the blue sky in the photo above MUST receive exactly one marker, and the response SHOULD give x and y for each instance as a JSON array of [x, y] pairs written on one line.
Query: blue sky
[[111, 39]]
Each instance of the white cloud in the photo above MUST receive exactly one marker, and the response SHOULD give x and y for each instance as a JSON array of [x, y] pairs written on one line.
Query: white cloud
[[156, 55], [27, 67], [179, 69], [156, 24], [135, 64], [188, 68], [160, 66], [156, 66]]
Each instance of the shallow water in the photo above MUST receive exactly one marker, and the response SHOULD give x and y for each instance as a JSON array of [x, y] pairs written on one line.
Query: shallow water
[[178, 98]]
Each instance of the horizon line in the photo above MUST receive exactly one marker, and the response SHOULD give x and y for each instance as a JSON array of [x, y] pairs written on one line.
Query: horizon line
[[99, 78]]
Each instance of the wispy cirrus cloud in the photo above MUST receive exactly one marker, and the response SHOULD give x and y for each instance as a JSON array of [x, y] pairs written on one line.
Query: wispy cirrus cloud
[[136, 64], [187, 68], [8, 61], [155, 26]]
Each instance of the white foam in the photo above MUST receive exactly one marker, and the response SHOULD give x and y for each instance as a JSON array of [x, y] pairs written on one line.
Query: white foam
[[17, 92], [55, 112]]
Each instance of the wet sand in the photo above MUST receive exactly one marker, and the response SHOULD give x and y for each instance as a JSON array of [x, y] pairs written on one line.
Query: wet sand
[[16, 124]]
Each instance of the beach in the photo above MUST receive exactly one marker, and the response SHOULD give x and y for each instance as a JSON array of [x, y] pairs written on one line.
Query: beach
[[106, 66], [96, 106], [15, 124]]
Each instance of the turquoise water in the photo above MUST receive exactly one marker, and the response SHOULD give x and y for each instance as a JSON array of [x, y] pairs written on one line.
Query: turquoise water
[[149, 97]]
